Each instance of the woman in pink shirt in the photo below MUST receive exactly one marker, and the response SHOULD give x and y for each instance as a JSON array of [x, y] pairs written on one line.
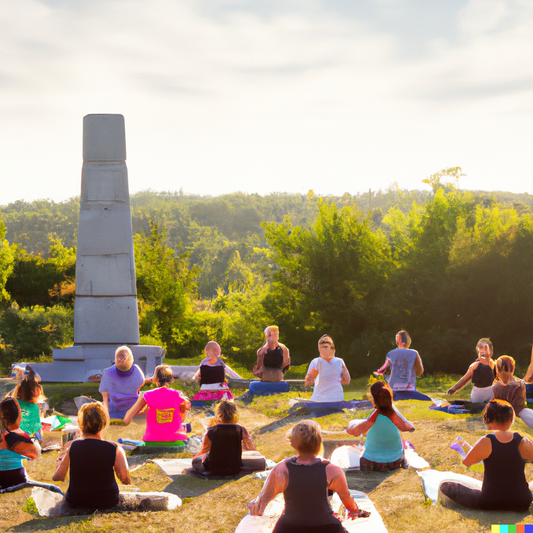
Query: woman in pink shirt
[[167, 409]]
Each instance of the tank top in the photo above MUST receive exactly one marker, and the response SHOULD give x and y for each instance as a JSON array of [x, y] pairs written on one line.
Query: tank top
[[211, 374], [306, 495], [273, 358], [504, 469], [383, 442], [92, 475], [483, 376], [225, 456]]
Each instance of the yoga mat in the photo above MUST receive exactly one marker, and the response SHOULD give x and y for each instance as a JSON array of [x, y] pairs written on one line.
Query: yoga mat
[[431, 479], [348, 457], [174, 467], [265, 524]]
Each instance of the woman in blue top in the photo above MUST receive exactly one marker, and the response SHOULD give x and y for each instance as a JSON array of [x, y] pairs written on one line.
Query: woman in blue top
[[15, 445], [383, 444]]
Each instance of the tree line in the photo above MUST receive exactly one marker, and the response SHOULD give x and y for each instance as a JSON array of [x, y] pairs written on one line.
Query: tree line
[[450, 266]]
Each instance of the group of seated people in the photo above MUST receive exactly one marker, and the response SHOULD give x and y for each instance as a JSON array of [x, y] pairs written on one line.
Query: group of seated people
[[495, 380], [227, 447]]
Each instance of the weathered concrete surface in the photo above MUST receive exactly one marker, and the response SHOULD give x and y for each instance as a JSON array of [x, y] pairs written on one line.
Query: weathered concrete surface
[[105, 312]]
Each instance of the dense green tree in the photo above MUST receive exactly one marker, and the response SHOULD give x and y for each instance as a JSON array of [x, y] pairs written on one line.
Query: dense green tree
[[165, 284], [7, 256], [36, 280]]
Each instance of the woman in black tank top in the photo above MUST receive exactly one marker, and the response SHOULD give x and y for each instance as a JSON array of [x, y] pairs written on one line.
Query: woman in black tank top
[[304, 481], [504, 454], [481, 372], [93, 463]]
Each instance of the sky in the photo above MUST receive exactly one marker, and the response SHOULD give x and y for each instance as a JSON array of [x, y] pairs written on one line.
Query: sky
[[263, 96]]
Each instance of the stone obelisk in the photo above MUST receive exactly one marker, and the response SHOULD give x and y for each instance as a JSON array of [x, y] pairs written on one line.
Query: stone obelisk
[[105, 309], [106, 293]]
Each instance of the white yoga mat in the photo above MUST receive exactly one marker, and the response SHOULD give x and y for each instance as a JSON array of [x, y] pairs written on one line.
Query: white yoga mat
[[431, 479], [265, 523], [348, 458]]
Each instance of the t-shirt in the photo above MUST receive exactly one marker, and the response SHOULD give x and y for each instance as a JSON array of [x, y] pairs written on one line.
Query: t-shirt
[[328, 386], [123, 388], [403, 375], [163, 421]]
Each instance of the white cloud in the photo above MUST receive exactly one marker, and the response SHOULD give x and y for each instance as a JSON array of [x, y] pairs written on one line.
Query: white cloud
[[261, 96]]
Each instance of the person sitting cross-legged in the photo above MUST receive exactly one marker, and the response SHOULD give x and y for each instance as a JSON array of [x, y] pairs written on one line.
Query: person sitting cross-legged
[[227, 447], [305, 480], [273, 358], [383, 444], [93, 463], [167, 409], [504, 454]]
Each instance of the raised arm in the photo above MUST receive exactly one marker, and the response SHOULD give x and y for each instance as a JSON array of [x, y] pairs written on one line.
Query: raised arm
[[286, 358], [337, 482], [63, 462], [418, 366], [105, 400], [27, 449], [247, 442], [345, 375], [312, 373], [526, 449], [121, 466], [258, 368], [277, 482], [481, 450], [464, 380], [206, 446], [363, 427], [138, 406]]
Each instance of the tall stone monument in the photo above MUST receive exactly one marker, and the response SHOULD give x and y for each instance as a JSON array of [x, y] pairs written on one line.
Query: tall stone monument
[[105, 309]]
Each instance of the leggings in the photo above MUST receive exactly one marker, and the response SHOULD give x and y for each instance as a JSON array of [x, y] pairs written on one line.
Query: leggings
[[471, 498], [481, 394], [527, 416]]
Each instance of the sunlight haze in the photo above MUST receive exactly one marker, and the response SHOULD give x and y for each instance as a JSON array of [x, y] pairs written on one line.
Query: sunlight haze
[[263, 96]]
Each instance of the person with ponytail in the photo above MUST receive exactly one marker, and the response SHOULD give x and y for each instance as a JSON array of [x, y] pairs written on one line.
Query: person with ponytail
[[15, 445], [511, 390], [167, 410], [383, 444], [29, 393]]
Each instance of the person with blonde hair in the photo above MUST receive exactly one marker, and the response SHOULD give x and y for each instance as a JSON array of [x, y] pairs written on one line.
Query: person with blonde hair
[[121, 383], [328, 373], [305, 480], [167, 409], [511, 390], [93, 463], [481, 372], [227, 447], [273, 358]]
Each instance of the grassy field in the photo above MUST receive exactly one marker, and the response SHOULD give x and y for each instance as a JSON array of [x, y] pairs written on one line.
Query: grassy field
[[218, 506]]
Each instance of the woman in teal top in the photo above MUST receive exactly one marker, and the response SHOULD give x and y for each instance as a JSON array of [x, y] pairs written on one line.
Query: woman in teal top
[[383, 444]]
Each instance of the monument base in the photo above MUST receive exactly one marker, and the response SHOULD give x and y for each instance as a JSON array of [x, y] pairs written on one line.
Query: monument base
[[80, 362]]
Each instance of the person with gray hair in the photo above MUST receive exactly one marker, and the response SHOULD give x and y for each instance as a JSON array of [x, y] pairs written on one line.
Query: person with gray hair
[[121, 383]]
